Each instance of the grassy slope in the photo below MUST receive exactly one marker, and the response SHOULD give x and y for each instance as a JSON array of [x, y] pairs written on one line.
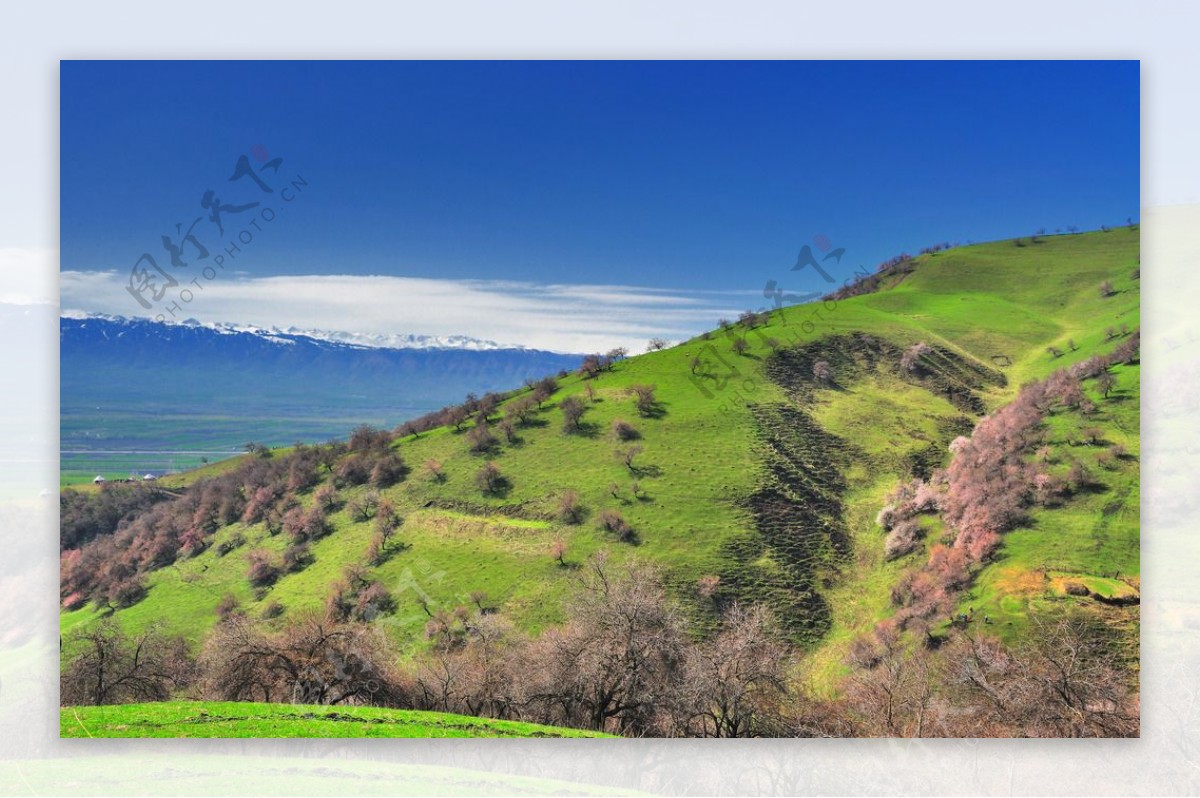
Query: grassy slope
[[233, 719], [703, 459]]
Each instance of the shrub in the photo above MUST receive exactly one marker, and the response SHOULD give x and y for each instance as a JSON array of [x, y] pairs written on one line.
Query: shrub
[[363, 507], [227, 606], [614, 523], [521, 410], [482, 440], [353, 470], [387, 520], [373, 601], [627, 454], [264, 571], [388, 469], [570, 510], [489, 479], [327, 498], [823, 372], [910, 361], [1106, 289], [644, 398], [435, 471], [901, 540], [558, 550], [297, 557], [624, 431], [572, 410], [234, 541], [272, 609], [739, 346]]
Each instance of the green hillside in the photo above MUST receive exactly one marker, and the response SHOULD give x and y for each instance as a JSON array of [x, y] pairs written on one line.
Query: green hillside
[[229, 719], [750, 469]]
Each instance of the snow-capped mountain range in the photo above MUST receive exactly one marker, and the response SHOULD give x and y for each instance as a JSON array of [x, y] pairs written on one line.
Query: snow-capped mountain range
[[139, 384]]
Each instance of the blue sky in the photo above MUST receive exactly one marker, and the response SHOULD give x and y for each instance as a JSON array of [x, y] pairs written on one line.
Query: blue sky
[[678, 187]]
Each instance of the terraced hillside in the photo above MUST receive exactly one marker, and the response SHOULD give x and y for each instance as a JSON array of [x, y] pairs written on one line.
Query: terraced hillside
[[752, 472]]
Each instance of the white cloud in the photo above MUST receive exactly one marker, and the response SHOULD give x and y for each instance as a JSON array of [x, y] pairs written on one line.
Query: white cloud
[[567, 318]]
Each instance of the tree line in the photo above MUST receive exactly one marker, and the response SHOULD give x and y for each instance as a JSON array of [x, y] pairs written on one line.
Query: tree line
[[629, 661]]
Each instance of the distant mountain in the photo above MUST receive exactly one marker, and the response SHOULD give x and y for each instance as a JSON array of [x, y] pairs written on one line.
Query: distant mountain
[[136, 383], [364, 340]]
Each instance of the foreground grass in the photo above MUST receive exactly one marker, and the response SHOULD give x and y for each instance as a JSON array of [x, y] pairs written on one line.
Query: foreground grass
[[238, 719]]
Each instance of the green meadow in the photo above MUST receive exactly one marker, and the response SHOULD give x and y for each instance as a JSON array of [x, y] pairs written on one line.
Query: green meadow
[[716, 437]]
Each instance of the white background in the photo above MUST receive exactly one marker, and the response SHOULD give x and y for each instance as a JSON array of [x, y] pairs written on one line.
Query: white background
[[1161, 34]]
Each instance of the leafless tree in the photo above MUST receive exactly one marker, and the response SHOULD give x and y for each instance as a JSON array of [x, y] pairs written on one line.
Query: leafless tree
[[572, 410], [734, 684], [613, 665], [105, 665], [569, 510], [623, 430], [489, 479], [312, 661], [627, 454], [435, 471], [644, 398]]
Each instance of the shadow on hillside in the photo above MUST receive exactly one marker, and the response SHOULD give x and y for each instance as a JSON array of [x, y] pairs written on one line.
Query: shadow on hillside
[[587, 429], [645, 471], [391, 550], [658, 410], [500, 488]]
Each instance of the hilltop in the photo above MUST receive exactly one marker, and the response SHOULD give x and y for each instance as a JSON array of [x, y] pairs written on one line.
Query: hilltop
[[749, 464]]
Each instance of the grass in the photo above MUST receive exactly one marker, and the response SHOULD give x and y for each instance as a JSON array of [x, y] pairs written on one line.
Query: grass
[[996, 305], [245, 719]]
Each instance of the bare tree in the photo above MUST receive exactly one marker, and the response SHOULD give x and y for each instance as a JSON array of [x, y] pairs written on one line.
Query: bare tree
[[615, 523], [570, 510], [627, 454], [572, 410], [624, 431], [644, 398], [558, 550], [435, 471], [489, 479], [734, 684], [612, 667], [105, 665], [313, 661]]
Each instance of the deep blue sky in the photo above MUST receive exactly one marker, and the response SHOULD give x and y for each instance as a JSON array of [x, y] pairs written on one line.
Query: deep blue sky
[[680, 175]]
